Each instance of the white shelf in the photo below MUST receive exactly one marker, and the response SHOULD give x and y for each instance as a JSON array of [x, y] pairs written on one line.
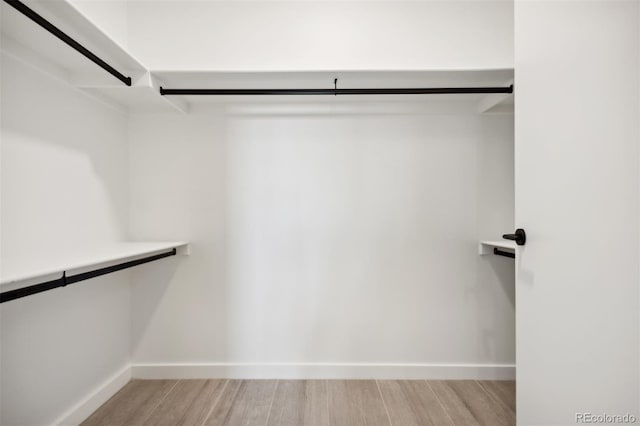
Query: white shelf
[[26, 41], [25, 33], [22, 271], [486, 247], [346, 79]]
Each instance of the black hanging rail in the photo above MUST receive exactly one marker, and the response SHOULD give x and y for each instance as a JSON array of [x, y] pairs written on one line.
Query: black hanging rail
[[499, 252], [66, 280], [336, 91], [35, 17]]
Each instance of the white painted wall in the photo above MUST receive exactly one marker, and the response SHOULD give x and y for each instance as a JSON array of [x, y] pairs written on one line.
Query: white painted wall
[[577, 135], [317, 238], [321, 35], [64, 184], [322, 238], [111, 16]]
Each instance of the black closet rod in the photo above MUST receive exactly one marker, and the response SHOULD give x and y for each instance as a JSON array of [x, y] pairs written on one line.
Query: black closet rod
[[35, 17], [65, 280], [373, 91], [499, 252]]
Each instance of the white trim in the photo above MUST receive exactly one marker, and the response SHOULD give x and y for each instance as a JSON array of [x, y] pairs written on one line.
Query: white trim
[[324, 371], [81, 411]]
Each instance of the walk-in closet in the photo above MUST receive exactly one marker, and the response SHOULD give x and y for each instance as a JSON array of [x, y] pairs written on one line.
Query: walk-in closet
[[319, 212]]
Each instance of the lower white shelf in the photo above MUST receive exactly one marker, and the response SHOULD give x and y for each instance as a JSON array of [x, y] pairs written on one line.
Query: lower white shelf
[[486, 247], [22, 271]]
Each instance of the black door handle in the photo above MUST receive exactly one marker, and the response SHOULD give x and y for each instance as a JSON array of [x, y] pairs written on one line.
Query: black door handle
[[520, 237]]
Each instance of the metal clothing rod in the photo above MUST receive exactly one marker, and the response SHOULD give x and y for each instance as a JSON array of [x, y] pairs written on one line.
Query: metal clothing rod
[[65, 280], [35, 17], [374, 91], [499, 252]]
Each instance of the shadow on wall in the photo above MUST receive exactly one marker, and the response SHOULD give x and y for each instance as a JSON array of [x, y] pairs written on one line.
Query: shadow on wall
[[64, 165], [57, 346], [495, 285], [493, 299], [153, 286], [64, 187]]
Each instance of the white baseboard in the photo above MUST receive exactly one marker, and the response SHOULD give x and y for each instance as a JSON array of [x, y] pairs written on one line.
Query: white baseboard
[[81, 411], [324, 371]]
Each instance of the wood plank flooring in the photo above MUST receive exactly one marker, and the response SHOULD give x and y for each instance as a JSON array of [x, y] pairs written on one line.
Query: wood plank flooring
[[309, 403]]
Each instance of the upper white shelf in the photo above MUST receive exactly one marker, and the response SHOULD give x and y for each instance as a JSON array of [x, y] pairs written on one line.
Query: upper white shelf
[[20, 32], [28, 42], [346, 79], [22, 271], [292, 79]]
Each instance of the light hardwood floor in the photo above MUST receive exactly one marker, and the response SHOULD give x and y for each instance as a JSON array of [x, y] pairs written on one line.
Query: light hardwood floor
[[309, 403]]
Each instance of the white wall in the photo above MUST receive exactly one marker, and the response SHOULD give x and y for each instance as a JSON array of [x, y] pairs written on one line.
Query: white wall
[[321, 238], [111, 16], [317, 238], [321, 35], [64, 177], [577, 134]]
